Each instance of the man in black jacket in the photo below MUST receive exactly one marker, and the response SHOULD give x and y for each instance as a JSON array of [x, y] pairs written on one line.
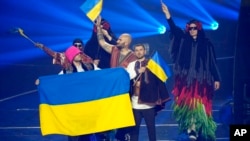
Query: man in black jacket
[[147, 92]]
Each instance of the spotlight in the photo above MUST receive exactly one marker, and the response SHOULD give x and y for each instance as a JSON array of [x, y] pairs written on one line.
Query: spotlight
[[162, 29], [214, 26]]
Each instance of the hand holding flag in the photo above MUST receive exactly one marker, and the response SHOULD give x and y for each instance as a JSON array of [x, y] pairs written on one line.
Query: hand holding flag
[[98, 21], [158, 67]]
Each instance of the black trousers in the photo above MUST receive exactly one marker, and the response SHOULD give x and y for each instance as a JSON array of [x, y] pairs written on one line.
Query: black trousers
[[149, 117]]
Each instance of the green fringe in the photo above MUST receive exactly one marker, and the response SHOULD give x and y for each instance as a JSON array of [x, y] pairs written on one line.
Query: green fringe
[[204, 124]]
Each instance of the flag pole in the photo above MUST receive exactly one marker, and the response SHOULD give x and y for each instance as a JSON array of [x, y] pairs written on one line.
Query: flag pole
[[25, 36]]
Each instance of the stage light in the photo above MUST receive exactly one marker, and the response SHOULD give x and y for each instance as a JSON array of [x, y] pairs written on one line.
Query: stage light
[[138, 25], [162, 29], [214, 26]]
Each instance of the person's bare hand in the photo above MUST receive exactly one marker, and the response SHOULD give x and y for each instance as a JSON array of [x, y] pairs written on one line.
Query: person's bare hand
[[142, 69], [216, 85], [96, 62], [98, 21], [37, 82], [39, 45], [165, 10], [105, 32]]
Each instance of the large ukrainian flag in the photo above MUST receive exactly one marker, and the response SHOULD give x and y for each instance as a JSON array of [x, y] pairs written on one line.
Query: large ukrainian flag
[[159, 67], [85, 102], [92, 8]]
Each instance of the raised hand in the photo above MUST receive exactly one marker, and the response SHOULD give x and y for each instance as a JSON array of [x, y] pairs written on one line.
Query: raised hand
[[39, 45], [98, 21], [165, 10], [216, 85]]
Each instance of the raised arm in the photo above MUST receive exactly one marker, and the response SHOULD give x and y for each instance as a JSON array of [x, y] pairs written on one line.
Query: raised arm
[[175, 31], [106, 46], [165, 10], [50, 52]]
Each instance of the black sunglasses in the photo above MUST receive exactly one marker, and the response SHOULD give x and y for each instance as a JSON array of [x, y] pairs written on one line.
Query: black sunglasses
[[77, 45], [192, 28]]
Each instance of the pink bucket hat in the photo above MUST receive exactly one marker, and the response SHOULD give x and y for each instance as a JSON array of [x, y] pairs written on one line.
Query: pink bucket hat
[[71, 52]]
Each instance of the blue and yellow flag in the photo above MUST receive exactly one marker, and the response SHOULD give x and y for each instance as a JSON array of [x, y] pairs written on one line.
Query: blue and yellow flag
[[92, 8], [159, 67], [85, 102]]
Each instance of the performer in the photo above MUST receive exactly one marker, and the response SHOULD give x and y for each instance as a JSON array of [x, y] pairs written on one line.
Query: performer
[[74, 57], [121, 54], [196, 79], [147, 92]]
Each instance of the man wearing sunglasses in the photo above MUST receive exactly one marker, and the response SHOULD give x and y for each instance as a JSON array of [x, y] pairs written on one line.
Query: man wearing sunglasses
[[196, 78], [78, 43]]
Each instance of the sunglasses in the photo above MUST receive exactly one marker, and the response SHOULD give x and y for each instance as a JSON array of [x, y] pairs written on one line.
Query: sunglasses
[[78, 45], [192, 28]]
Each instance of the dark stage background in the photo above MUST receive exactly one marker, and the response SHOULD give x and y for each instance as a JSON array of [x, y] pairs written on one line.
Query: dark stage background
[[56, 23]]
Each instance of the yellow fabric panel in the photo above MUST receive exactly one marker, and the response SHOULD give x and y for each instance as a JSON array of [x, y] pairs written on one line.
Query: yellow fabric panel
[[88, 117], [94, 12], [157, 70]]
